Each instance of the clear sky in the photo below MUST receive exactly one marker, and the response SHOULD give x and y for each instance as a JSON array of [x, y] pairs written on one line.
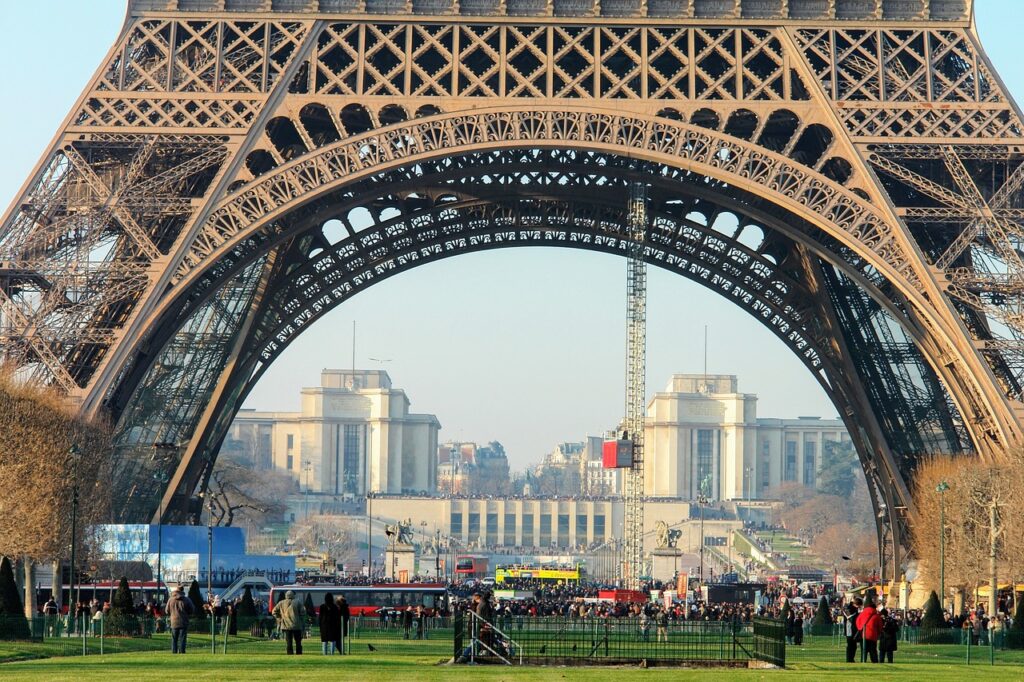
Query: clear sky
[[524, 346]]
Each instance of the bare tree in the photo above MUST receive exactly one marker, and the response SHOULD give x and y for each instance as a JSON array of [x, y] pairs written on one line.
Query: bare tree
[[38, 433], [978, 504], [238, 490], [330, 535]]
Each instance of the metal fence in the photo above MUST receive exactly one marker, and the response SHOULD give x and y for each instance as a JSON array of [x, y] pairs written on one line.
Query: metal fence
[[64, 636], [606, 641]]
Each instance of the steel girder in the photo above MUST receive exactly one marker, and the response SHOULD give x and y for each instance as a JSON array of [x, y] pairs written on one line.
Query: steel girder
[[878, 150]]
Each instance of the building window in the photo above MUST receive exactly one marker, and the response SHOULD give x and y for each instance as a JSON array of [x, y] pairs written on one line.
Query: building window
[[563, 530], [291, 441], [510, 530], [492, 529], [291, 463], [705, 458], [789, 473], [810, 475], [766, 472], [581, 529], [474, 526], [350, 461], [545, 530], [598, 527], [456, 524], [528, 539]]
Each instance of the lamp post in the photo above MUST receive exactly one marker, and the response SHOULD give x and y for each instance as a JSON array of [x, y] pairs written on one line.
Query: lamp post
[[209, 550], [437, 553], [749, 471], [75, 455], [307, 466], [941, 488], [161, 478]]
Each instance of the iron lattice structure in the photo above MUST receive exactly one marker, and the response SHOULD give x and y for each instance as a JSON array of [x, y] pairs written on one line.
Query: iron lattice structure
[[636, 380], [847, 171]]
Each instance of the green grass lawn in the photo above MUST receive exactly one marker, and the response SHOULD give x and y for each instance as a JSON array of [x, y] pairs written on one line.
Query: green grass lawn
[[413, 660]]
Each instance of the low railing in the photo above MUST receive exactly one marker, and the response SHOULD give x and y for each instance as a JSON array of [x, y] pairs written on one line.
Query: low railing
[[582, 641]]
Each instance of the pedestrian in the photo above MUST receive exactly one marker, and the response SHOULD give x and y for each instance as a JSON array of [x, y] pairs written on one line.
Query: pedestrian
[[852, 632], [662, 621], [871, 625], [890, 636], [179, 608], [645, 626], [330, 625], [345, 614], [421, 622], [291, 618], [406, 623], [798, 630]]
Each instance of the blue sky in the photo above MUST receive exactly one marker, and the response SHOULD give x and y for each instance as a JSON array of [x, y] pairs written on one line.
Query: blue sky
[[524, 346]]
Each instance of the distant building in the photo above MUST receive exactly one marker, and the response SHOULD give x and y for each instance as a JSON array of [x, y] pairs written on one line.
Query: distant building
[[465, 468], [354, 433], [702, 428], [575, 468]]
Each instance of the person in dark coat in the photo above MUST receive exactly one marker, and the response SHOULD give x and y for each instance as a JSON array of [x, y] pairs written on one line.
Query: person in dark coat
[[345, 614], [330, 625], [853, 634], [890, 636]]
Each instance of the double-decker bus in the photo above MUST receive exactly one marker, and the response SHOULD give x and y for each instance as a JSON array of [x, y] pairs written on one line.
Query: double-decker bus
[[369, 599], [142, 592], [553, 574], [470, 567]]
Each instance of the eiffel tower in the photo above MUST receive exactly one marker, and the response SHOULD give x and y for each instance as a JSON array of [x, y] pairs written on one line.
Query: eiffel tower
[[237, 168]]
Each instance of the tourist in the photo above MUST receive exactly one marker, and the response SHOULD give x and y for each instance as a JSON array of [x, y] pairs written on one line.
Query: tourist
[[330, 625], [345, 614], [291, 618], [852, 632], [179, 608], [890, 635], [870, 624]]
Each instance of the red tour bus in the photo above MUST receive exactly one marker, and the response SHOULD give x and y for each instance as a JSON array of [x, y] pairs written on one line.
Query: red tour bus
[[369, 599], [144, 592], [470, 567]]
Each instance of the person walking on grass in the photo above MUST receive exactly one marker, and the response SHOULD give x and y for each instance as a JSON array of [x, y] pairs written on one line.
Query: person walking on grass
[[291, 620], [179, 608], [330, 625]]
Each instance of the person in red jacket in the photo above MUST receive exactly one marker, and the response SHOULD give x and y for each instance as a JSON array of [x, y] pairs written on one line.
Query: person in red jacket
[[870, 625]]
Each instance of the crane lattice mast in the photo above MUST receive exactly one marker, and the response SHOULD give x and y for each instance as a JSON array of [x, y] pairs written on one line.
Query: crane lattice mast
[[636, 366]]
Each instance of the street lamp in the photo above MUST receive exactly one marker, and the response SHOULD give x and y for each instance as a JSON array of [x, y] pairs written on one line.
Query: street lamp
[[307, 466], [75, 454], [941, 488], [209, 548], [161, 478], [749, 471]]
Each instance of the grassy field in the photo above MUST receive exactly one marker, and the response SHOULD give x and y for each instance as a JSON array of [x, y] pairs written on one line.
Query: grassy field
[[818, 660]]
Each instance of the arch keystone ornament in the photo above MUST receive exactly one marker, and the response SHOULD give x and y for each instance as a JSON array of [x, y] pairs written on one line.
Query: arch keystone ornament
[[847, 172]]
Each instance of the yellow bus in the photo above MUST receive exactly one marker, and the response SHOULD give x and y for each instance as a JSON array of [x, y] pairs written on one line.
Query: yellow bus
[[545, 574]]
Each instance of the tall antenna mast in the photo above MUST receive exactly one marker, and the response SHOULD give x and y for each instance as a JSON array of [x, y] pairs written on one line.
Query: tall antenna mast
[[636, 370]]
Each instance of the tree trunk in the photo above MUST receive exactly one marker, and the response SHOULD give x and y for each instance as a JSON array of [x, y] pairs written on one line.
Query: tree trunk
[[57, 587], [30, 588]]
